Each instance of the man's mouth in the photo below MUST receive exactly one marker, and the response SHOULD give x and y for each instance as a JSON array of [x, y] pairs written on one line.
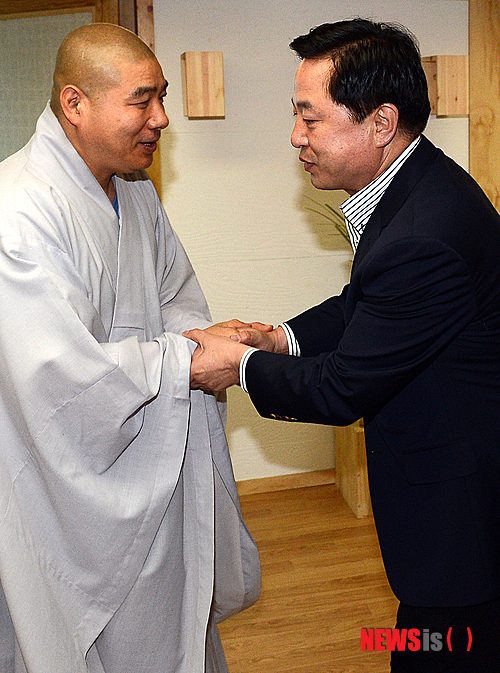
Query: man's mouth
[[304, 159], [150, 143], [307, 164]]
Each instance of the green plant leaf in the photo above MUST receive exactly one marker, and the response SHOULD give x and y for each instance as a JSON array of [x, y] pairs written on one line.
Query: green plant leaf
[[332, 214]]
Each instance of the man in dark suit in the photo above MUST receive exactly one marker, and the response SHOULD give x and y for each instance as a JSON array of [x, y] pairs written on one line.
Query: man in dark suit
[[412, 344]]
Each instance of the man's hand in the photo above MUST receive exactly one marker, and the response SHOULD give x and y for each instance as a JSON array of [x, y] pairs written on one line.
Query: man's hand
[[215, 364], [231, 327], [273, 340]]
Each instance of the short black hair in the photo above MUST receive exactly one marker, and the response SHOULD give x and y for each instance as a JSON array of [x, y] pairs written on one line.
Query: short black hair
[[372, 63]]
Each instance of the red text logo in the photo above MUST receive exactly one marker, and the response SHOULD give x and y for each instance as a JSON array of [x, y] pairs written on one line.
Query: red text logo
[[407, 639]]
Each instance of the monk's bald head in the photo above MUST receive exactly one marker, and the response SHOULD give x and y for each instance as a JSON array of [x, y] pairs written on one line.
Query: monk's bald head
[[90, 56]]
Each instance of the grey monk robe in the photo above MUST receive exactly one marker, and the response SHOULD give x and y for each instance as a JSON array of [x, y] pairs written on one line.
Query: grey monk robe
[[121, 538]]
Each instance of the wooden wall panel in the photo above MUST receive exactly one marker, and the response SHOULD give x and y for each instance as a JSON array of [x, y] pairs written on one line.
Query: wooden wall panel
[[203, 84], [448, 84], [484, 96]]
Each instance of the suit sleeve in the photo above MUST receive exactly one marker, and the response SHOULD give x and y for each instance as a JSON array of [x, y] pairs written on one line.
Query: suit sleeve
[[415, 297], [320, 329]]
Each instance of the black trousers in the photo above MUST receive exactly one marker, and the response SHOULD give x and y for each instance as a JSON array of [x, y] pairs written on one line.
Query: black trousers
[[474, 639]]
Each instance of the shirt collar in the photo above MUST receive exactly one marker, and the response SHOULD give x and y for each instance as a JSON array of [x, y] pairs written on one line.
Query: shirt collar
[[359, 207]]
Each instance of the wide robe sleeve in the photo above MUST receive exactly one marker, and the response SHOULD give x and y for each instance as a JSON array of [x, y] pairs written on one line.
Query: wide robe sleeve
[[415, 296]]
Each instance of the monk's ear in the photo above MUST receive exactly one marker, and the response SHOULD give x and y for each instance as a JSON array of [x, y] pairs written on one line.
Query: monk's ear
[[385, 118], [73, 102]]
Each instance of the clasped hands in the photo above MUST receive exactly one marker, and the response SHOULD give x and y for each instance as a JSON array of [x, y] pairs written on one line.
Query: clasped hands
[[215, 364]]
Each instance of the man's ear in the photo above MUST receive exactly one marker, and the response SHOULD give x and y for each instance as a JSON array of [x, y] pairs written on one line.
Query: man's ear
[[72, 101], [386, 118]]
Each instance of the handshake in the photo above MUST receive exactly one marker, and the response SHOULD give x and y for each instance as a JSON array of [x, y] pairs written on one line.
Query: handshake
[[215, 364]]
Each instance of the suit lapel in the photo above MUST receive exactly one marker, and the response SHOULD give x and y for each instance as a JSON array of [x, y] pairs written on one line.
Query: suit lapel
[[396, 194]]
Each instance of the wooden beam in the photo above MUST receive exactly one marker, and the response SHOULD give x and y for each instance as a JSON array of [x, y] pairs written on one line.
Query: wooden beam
[[107, 11], [145, 22], [128, 18], [484, 96], [146, 31]]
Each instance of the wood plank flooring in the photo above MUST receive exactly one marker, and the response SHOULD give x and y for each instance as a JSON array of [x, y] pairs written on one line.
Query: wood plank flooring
[[323, 580]]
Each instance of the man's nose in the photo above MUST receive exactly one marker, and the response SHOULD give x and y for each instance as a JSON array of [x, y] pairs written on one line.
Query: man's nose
[[299, 137], [159, 119]]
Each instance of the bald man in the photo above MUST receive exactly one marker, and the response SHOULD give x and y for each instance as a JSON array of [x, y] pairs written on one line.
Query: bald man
[[121, 538]]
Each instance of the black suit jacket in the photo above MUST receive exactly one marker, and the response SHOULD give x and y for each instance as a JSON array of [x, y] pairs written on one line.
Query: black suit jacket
[[413, 345]]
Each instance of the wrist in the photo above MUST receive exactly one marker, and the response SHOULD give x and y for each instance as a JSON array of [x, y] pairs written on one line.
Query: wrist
[[280, 340]]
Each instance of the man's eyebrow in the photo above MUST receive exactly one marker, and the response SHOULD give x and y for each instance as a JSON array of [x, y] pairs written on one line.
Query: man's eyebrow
[[302, 105], [144, 90]]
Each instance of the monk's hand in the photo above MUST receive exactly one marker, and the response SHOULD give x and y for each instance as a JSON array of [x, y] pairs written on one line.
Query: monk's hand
[[273, 340], [215, 364], [230, 328]]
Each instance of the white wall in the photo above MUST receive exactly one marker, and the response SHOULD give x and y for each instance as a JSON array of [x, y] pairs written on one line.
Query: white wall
[[235, 190]]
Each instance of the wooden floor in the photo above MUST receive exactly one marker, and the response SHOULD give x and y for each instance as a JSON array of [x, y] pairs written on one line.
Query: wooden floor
[[323, 581]]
